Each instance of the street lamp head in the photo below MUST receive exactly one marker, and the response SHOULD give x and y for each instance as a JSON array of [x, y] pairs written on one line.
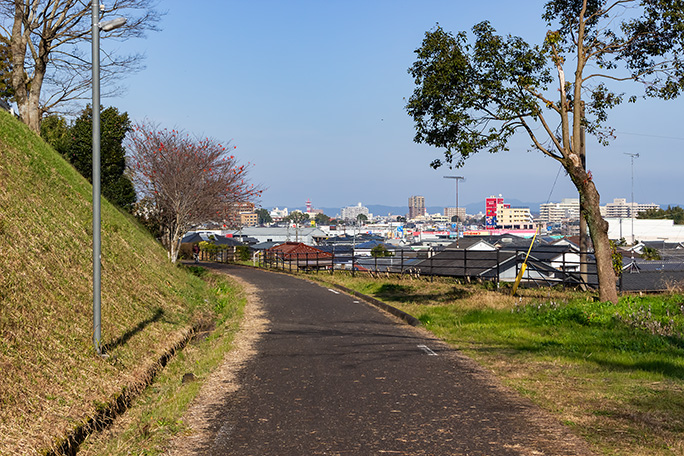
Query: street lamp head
[[108, 26]]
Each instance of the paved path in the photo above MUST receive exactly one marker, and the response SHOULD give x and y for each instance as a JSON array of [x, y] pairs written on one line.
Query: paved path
[[335, 376]]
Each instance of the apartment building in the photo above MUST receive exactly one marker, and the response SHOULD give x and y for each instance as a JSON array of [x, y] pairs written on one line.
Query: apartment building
[[514, 218], [249, 219], [566, 210], [620, 208], [450, 212], [416, 205], [352, 212]]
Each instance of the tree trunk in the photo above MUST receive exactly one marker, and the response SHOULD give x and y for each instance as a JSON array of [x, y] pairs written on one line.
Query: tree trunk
[[18, 43], [598, 229], [31, 113], [27, 88]]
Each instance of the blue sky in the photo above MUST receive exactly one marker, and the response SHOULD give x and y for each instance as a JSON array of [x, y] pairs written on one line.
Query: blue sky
[[313, 94]]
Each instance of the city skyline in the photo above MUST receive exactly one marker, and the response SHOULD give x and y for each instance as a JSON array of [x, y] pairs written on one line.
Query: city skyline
[[473, 208], [313, 94]]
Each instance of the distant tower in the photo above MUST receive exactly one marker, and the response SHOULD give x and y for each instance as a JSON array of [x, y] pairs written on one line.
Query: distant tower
[[308, 206]]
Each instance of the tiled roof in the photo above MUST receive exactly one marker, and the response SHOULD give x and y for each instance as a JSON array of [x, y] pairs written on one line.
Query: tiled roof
[[292, 250]]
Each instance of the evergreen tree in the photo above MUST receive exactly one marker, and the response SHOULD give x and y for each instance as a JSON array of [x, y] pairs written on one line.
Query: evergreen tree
[[55, 131], [6, 89], [672, 213], [264, 216], [75, 143]]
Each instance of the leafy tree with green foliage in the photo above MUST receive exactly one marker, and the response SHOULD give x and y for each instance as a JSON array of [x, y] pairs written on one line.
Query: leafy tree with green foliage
[[242, 252], [6, 89], [671, 213], [264, 216], [617, 257], [651, 254], [361, 219], [75, 143], [475, 97], [297, 217], [322, 219], [54, 129], [380, 251]]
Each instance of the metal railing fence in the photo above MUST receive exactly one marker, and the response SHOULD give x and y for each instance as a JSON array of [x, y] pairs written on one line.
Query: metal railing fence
[[545, 268]]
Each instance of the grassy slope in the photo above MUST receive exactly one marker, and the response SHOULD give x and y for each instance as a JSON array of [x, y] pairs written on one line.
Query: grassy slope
[[51, 380]]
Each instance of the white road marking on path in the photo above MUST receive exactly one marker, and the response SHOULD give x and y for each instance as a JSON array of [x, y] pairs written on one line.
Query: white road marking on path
[[427, 350], [333, 291]]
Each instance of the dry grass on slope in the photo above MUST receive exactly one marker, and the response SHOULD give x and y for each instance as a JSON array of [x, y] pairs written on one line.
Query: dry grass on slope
[[50, 378]]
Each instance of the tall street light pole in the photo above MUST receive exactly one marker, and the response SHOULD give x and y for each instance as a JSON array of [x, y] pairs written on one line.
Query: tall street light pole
[[458, 218], [97, 265]]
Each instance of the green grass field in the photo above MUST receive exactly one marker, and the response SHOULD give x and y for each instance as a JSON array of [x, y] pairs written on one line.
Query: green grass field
[[613, 373]]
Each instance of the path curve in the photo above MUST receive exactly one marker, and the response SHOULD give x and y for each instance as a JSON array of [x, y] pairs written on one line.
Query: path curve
[[328, 374]]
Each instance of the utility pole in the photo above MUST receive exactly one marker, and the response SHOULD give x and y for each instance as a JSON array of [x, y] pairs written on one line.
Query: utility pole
[[632, 209], [458, 218]]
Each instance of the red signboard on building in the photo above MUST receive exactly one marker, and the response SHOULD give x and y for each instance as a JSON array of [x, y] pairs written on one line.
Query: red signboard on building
[[490, 211]]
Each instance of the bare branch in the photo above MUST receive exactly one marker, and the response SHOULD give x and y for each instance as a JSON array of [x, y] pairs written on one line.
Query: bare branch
[[187, 180], [45, 41]]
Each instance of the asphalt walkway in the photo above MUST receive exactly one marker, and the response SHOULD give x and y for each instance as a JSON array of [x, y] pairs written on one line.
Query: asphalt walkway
[[336, 376]]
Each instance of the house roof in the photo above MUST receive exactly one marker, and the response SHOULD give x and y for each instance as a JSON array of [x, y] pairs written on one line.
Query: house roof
[[195, 238], [222, 240], [464, 262], [650, 280], [467, 242], [264, 245], [192, 238], [641, 264], [373, 243], [298, 249], [352, 239], [275, 231], [551, 252], [337, 249]]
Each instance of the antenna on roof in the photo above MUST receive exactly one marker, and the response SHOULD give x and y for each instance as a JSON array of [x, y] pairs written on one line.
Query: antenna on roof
[[631, 209]]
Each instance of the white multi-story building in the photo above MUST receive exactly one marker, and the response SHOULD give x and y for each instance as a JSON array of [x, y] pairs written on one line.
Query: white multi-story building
[[620, 208], [566, 210], [352, 212], [514, 218], [279, 214]]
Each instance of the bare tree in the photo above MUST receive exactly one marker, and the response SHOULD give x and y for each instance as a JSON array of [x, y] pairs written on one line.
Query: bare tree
[[185, 180], [50, 64]]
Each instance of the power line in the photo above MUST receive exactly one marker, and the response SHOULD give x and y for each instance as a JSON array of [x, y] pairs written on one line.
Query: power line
[[650, 136], [554, 184]]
